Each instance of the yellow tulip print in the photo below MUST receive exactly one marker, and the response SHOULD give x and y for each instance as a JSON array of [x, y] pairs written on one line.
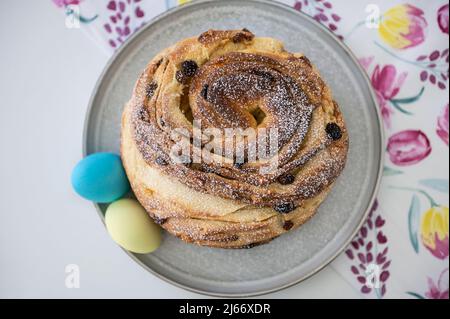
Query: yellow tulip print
[[434, 231], [403, 26]]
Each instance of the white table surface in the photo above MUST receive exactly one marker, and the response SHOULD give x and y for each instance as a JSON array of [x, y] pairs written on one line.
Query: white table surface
[[47, 73]]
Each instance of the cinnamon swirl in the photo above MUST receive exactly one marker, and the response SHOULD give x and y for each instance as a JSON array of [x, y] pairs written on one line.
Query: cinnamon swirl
[[230, 141]]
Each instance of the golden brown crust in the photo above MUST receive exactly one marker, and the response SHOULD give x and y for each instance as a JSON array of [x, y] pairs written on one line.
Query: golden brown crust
[[220, 203]]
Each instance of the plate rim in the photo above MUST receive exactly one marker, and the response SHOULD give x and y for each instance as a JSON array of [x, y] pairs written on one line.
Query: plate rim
[[380, 126]]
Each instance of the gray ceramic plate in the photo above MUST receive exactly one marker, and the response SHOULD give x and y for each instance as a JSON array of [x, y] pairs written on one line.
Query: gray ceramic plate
[[290, 258]]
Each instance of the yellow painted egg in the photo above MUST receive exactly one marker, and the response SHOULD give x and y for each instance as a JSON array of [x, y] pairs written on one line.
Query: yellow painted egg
[[130, 226]]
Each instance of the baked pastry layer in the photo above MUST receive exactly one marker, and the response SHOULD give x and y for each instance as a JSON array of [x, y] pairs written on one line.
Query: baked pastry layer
[[232, 79]]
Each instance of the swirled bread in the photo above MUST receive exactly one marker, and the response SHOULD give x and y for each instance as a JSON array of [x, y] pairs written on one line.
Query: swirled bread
[[222, 80]]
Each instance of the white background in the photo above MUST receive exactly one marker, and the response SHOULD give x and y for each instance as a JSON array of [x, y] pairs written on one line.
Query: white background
[[47, 73]]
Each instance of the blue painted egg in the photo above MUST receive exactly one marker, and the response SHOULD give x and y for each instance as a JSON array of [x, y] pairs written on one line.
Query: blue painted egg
[[100, 177]]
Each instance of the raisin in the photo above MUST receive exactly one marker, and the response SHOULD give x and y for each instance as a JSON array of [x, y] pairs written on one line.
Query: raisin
[[151, 88], [241, 36], [180, 77], [284, 208], [334, 131], [286, 179], [189, 68], [288, 225], [160, 221]]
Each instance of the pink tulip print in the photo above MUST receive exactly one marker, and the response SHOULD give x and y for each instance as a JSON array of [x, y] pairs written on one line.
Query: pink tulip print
[[63, 3], [442, 18], [442, 125], [408, 147], [387, 83], [438, 290]]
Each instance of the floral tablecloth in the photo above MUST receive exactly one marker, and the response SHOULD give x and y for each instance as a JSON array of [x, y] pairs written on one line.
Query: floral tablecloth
[[402, 250]]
